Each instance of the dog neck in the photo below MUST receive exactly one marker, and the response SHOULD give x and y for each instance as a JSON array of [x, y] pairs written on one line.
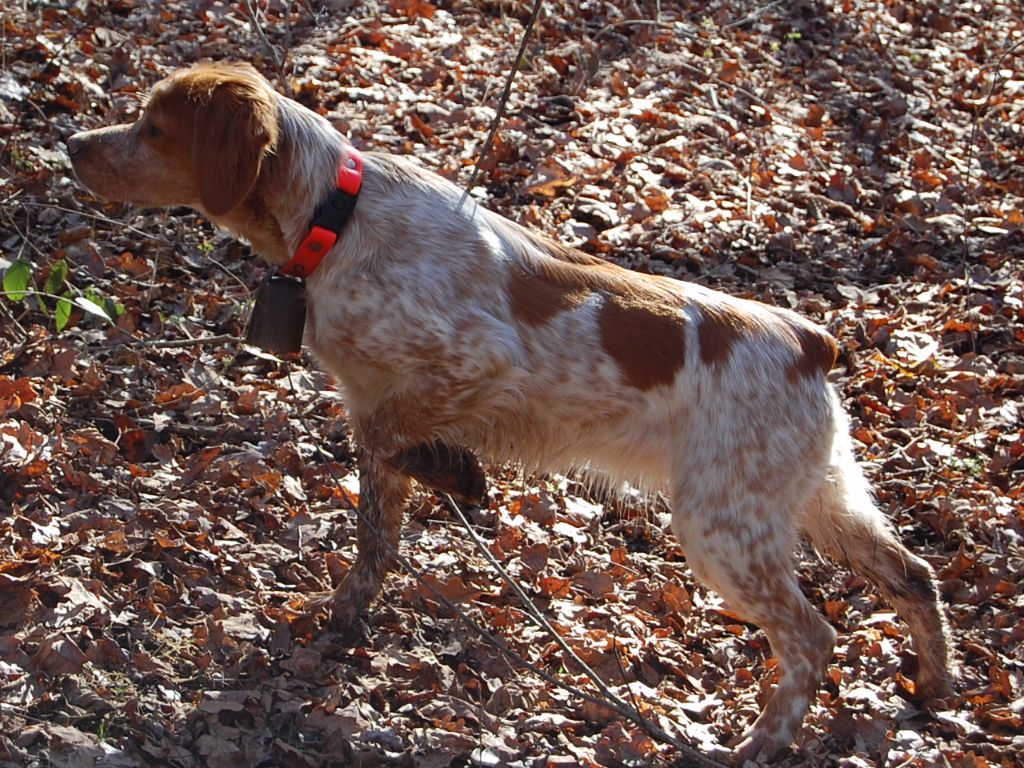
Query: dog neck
[[294, 178]]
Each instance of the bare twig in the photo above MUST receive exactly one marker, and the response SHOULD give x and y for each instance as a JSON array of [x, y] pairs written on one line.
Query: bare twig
[[8, 318], [500, 111], [97, 217], [499, 643], [622, 671], [252, 12], [25, 240], [678, 27], [531, 609], [754, 15], [198, 341], [609, 698]]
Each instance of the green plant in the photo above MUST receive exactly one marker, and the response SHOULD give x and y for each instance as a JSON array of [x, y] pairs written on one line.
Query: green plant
[[57, 297]]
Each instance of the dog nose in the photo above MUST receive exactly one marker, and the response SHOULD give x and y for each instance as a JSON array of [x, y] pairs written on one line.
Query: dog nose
[[75, 144]]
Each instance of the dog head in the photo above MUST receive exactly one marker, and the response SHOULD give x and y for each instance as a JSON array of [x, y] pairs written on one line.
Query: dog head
[[200, 141]]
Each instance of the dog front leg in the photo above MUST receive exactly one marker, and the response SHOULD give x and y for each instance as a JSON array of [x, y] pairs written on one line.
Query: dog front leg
[[383, 494]]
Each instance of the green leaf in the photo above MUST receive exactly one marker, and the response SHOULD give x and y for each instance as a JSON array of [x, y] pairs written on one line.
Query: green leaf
[[58, 276], [17, 280], [92, 307], [63, 312]]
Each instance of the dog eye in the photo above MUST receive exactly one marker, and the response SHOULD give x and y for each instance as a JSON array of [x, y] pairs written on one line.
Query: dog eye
[[152, 131]]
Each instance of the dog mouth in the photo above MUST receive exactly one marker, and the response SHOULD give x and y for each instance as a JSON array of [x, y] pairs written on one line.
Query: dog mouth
[[104, 180]]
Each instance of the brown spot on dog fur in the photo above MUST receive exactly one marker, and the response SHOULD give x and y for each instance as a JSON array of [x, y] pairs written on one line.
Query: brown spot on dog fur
[[818, 352], [238, 116], [206, 134], [566, 253], [542, 287], [720, 328], [227, 116], [640, 321], [528, 243], [537, 297], [646, 340]]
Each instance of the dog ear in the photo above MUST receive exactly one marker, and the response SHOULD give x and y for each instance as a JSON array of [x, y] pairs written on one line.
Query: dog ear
[[233, 131]]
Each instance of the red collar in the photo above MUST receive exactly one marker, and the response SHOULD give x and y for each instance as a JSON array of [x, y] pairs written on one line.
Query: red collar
[[330, 218]]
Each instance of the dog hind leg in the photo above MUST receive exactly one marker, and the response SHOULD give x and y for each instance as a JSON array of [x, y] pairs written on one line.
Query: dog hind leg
[[843, 521], [745, 556]]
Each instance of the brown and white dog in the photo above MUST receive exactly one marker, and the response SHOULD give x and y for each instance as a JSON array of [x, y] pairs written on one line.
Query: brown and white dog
[[448, 325]]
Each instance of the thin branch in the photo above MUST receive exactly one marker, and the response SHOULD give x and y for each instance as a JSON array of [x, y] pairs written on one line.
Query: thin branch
[[503, 101], [24, 235], [198, 341], [99, 217], [499, 643], [528, 604], [251, 11], [678, 27], [755, 15], [9, 318], [622, 671]]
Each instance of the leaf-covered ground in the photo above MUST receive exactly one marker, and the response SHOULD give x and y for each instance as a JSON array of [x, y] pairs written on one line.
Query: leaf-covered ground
[[166, 503]]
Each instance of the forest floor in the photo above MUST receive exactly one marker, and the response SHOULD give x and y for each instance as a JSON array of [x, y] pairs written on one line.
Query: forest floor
[[167, 499]]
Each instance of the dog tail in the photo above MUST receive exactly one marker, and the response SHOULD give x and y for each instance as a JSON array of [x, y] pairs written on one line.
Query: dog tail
[[843, 521]]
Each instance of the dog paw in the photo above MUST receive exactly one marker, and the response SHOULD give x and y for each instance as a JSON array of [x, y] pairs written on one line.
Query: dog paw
[[449, 469], [342, 607]]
